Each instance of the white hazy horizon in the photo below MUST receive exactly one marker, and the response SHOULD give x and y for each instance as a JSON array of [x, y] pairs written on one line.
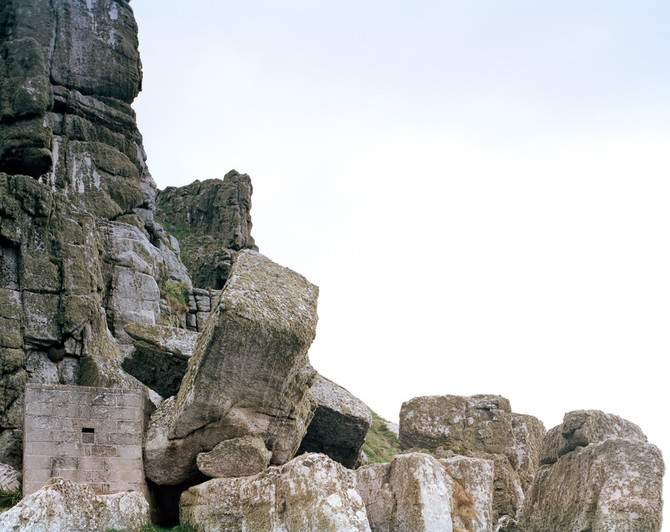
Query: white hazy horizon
[[479, 190]]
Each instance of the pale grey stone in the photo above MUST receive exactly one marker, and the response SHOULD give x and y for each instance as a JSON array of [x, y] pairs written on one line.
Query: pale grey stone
[[412, 492], [311, 492], [239, 457], [610, 485], [583, 427], [476, 479], [63, 505], [482, 426], [9, 478]]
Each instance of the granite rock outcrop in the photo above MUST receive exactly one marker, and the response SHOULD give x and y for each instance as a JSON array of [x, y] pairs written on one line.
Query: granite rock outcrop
[[64, 505], [311, 492], [598, 473], [102, 277], [481, 426], [213, 220]]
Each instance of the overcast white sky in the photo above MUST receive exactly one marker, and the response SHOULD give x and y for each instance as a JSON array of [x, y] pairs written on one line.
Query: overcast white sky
[[479, 188]]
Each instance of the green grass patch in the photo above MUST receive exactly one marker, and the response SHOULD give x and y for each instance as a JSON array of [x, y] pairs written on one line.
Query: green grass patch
[[380, 444], [9, 498]]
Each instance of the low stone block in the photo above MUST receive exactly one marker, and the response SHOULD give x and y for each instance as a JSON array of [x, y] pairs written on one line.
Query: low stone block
[[238, 457]]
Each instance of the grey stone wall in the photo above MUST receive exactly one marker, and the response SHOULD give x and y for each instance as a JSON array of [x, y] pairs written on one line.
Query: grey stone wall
[[86, 435]]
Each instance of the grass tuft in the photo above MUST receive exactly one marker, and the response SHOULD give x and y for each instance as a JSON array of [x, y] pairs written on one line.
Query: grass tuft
[[381, 445]]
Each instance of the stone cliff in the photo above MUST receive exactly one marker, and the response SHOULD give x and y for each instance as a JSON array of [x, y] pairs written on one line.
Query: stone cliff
[[81, 254], [107, 282]]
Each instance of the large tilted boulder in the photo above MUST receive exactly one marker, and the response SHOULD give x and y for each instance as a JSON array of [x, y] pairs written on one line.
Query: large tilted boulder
[[160, 356], [249, 375], [310, 493], [599, 474], [340, 423], [63, 505], [480, 426], [239, 457]]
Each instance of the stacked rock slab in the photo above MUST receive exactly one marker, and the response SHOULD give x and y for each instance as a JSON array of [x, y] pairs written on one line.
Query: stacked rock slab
[[482, 426], [339, 424], [80, 252], [64, 505], [311, 492], [598, 473], [213, 220], [249, 375], [160, 356], [239, 457]]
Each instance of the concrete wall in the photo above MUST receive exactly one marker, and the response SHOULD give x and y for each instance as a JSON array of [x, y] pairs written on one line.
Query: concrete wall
[[86, 435]]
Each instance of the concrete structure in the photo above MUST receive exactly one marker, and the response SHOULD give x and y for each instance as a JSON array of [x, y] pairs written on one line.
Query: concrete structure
[[86, 435]]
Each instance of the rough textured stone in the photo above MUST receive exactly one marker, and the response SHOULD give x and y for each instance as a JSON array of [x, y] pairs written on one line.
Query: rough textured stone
[[413, 492], [583, 427], [160, 356], [311, 492], [239, 457], [63, 505], [340, 423], [609, 485], [70, 157], [214, 218], [249, 375], [9, 478], [481, 426], [475, 478]]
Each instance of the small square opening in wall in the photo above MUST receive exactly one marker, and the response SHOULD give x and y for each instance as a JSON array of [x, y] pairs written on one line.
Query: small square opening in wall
[[87, 435]]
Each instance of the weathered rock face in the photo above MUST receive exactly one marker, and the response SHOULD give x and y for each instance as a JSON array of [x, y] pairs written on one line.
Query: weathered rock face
[[599, 473], [160, 356], [413, 492], [9, 478], [80, 252], [339, 425], [583, 427], [311, 492], [63, 505], [239, 457], [473, 494], [481, 426], [213, 220], [249, 375]]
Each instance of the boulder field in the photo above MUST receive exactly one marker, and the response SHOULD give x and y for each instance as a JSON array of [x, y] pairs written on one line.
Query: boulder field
[[107, 282]]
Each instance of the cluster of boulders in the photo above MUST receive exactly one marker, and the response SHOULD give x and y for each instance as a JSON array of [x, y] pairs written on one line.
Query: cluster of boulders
[[242, 433]]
